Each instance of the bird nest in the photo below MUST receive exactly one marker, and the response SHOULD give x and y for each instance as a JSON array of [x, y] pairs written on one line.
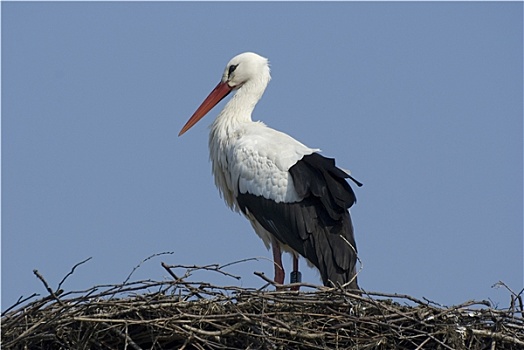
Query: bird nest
[[185, 314]]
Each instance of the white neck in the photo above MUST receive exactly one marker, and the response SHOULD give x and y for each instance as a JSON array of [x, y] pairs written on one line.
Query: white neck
[[239, 109], [229, 121]]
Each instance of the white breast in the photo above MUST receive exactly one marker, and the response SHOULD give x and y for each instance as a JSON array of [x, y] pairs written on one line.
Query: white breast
[[255, 159]]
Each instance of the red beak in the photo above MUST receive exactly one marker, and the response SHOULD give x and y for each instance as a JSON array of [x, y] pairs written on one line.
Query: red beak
[[218, 93]]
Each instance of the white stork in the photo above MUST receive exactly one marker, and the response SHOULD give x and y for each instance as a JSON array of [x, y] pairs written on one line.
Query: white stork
[[295, 199]]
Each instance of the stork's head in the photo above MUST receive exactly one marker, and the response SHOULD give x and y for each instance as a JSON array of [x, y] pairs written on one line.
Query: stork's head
[[248, 69]]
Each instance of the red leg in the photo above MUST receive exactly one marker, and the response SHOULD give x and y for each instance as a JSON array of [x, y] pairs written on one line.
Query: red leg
[[277, 258]]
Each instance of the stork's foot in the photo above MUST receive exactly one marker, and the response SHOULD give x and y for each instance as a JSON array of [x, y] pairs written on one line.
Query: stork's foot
[[296, 277]]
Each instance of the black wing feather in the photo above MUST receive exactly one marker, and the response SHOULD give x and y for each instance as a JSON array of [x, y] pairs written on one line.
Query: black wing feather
[[313, 227]]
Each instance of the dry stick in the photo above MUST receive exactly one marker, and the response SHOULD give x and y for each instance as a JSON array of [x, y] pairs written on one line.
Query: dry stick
[[49, 290], [245, 260], [33, 307], [359, 261], [72, 271], [181, 280], [43, 321], [395, 295], [268, 280], [514, 297], [212, 267], [497, 336], [20, 300], [500, 283], [461, 306], [24, 334], [282, 287], [389, 324], [423, 343], [143, 261], [125, 337], [212, 333]]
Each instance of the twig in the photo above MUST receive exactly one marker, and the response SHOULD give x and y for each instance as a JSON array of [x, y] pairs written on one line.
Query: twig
[[212, 267], [127, 339], [268, 280], [498, 336], [241, 261], [72, 271], [49, 290], [20, 301], [181, 280], [143, 261], [358, 259], [514, 297], [212, 333]]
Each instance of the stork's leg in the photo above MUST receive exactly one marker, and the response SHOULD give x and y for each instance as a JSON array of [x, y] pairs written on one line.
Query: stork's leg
[[296, 276], [277, 258]]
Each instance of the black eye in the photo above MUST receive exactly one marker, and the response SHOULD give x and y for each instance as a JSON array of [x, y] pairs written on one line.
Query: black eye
[[231, 69]]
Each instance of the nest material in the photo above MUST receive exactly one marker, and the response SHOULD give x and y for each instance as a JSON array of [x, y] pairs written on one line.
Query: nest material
[[194, 315]]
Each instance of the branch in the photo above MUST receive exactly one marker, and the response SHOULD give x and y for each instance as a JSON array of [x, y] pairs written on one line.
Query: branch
[[72, 270], [49, 290], [497, 336]]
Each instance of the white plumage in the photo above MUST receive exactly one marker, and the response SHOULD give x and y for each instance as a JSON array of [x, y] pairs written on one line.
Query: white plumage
[[252, 165]]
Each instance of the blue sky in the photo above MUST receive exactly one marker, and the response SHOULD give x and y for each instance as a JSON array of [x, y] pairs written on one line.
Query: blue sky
[[421, 101]]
